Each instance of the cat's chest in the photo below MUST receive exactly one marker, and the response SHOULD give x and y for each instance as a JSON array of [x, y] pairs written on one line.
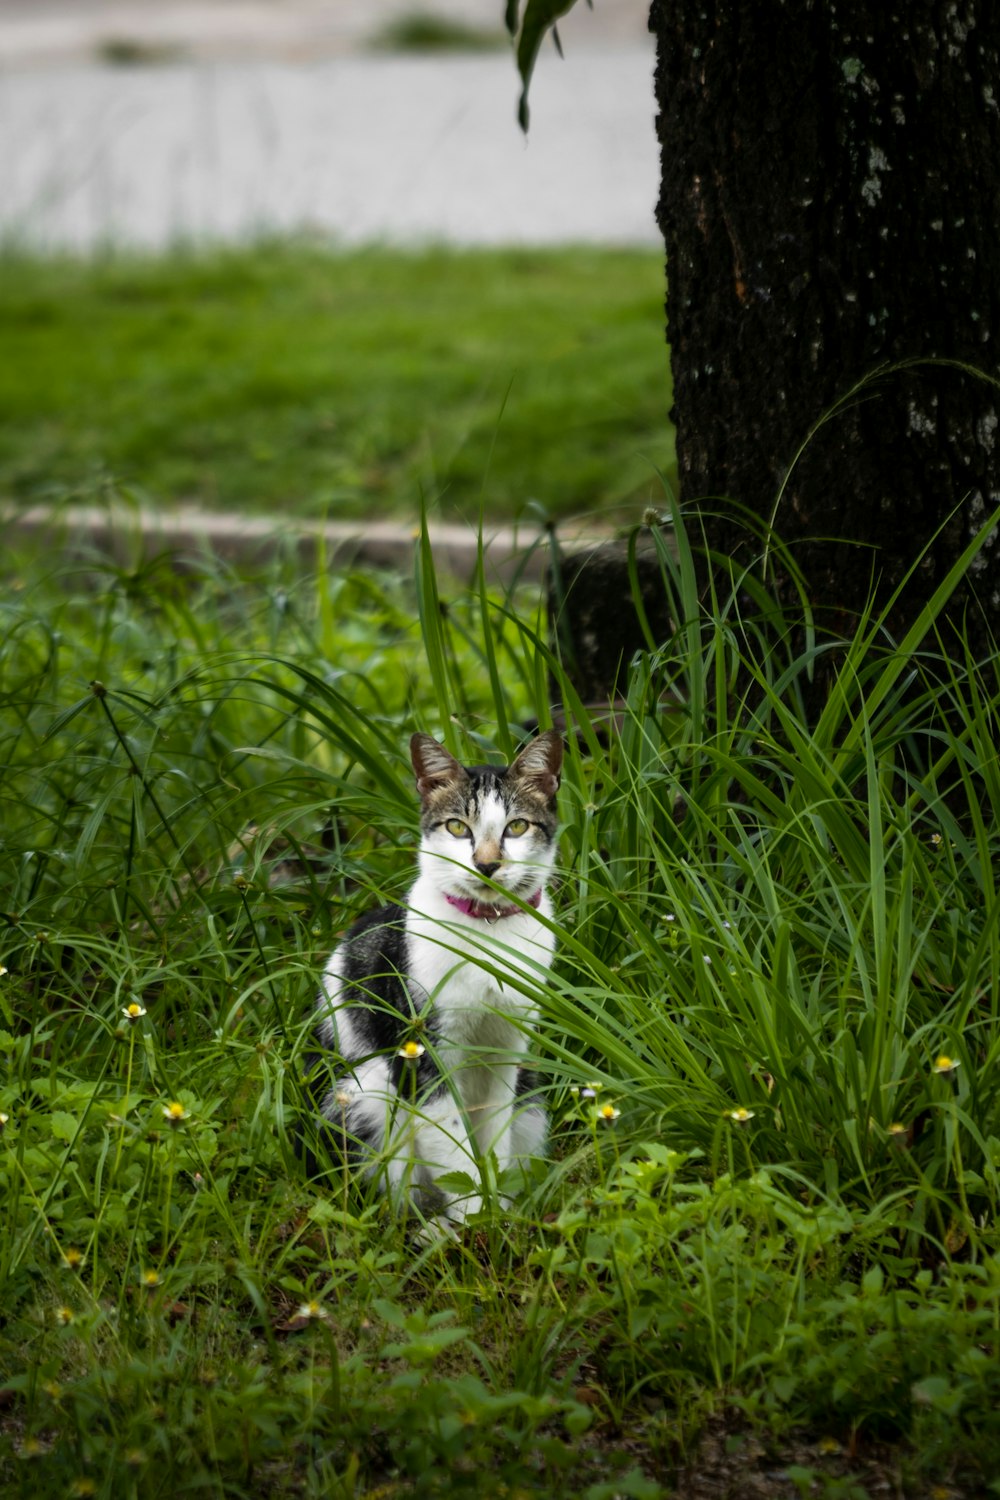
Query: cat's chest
[[471, 976]]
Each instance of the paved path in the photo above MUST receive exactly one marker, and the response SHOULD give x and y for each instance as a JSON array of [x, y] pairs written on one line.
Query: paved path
[[278, 120]]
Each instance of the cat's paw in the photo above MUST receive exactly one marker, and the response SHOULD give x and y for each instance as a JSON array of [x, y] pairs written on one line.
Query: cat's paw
[[436, 1233], [446, 1223]]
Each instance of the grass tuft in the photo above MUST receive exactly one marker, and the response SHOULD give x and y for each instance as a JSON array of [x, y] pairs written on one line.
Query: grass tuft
[[424, 31]]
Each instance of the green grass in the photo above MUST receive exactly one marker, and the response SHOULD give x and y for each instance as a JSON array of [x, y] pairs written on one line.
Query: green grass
[[295, 380], [201, 784]]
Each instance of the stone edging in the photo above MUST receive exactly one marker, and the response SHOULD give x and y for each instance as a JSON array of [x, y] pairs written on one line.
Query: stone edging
[[123, 532]]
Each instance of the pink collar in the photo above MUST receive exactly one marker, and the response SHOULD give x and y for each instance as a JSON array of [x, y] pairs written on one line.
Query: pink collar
[[486, 910]]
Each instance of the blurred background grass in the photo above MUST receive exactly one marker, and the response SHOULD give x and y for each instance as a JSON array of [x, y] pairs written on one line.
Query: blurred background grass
[[290, 377]]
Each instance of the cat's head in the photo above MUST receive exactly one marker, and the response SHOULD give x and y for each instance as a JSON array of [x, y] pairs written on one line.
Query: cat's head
[[484, 827]]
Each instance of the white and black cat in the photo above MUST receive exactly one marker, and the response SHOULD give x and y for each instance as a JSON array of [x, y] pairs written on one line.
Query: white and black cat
[[427, 1069]]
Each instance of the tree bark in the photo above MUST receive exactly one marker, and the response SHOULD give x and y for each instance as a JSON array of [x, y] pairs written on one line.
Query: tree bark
[[830, 206]]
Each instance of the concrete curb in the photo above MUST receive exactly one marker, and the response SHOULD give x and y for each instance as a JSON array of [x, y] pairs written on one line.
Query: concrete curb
[[126, 534]]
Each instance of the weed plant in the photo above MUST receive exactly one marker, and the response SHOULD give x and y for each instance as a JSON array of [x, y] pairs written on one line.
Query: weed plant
[[770, 1047]]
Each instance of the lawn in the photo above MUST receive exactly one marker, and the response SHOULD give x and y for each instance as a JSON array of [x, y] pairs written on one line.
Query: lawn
[[773, 1272], [289, 379]]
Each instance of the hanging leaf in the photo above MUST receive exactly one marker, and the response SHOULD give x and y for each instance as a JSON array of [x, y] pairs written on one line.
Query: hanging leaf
[[540, 16]]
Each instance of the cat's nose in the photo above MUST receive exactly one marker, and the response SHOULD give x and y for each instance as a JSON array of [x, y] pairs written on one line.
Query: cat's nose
[[487, 868]]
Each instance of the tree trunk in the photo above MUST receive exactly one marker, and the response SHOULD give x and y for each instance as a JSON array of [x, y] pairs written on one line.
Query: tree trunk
[[830, 206]]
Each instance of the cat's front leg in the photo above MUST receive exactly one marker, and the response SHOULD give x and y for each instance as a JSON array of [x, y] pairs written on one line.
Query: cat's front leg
[[442, 1146], [510, 1122]]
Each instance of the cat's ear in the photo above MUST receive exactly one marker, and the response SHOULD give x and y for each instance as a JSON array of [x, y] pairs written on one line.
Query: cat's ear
[[540, 762], [432, 763]]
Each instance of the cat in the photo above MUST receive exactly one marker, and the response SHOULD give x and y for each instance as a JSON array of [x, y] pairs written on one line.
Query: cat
[[428, 1046]]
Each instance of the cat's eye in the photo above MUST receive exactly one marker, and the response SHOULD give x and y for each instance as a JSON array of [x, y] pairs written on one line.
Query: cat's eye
[[456, 828], [516, 827]]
